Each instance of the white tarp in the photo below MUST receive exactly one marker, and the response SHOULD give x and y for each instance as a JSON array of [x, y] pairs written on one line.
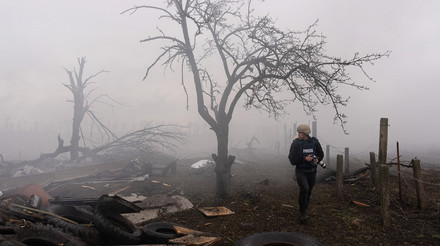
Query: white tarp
[[202, 163]]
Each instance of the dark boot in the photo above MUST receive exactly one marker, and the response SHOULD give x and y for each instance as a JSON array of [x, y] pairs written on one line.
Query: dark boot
[[303, 218]]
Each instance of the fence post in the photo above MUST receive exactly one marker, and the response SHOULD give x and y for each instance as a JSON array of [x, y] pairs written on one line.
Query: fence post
[[384, 194], [383, 140], [373, 169], [421, 201], [339, 175], [347, 161], [398, 172]]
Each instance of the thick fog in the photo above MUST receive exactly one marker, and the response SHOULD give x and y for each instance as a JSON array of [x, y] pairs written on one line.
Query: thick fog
[[40, 39]]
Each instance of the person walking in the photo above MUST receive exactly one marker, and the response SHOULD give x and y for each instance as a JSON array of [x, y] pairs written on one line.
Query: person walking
[[305, 152]]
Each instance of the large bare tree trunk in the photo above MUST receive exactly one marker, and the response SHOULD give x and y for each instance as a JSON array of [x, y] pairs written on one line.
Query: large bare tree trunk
[[223, 162]]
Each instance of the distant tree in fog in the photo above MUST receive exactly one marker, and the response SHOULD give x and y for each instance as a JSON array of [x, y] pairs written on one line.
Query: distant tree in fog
[[83, 100], [144, 140], [258, 61]]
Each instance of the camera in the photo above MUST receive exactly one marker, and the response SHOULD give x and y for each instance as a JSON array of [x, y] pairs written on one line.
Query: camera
[[316, 162]]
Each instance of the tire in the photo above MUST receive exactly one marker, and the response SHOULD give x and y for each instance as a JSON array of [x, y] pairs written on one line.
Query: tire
[[10, 242], [80, 215], [279, 238], [116, 227], [44, 235], [159, 232]]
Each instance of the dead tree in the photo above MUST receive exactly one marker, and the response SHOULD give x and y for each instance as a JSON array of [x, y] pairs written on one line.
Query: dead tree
[[258, 60], [150, 140], [82, 104], [146, 140]]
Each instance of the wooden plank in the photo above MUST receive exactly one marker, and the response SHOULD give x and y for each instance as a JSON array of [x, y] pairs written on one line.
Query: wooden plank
[[196, 240], [215, 211]]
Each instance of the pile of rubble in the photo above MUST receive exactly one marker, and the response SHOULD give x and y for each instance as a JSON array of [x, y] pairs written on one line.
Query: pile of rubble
[[29, 215], [33, 220]]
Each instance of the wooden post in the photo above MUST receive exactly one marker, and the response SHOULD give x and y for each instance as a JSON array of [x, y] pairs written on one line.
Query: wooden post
[[339, 176], [327, 154], [398, 173], [421, 204], [373, 168], [385, 194], [347, 161], [383, 140]]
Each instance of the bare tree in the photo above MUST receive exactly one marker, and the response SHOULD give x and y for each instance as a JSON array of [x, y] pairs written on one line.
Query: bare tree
[[258, 61], [145, 140], [83, 101], [149, 141]]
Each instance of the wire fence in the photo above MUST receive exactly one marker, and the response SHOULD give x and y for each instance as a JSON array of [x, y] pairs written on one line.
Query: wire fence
[[403, 191], [404, 194]]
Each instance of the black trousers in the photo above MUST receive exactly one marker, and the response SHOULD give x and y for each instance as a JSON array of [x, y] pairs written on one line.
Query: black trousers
[[306, 181]]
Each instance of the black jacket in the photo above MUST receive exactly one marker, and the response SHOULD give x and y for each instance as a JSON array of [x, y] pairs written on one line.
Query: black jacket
[[300, 149]]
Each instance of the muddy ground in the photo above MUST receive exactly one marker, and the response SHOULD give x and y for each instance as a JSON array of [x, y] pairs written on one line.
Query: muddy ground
[[264, 194]]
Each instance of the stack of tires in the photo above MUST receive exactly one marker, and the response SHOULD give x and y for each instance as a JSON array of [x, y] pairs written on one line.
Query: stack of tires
[[84, 225], [108, 227]]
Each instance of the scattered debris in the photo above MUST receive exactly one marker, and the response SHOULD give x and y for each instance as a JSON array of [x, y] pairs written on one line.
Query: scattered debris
[[105, 202], [193, 237], [135, 198], [215, 211], [27, 170], [88, 187], [285, 205], [116, 192], [196, 240], [361, 203], [202, 164], [153, 207], [112, 218], [157, 182], [27, 192]]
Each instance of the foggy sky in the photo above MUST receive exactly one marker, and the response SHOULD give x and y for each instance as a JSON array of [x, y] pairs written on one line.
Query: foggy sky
[[41, 38]]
